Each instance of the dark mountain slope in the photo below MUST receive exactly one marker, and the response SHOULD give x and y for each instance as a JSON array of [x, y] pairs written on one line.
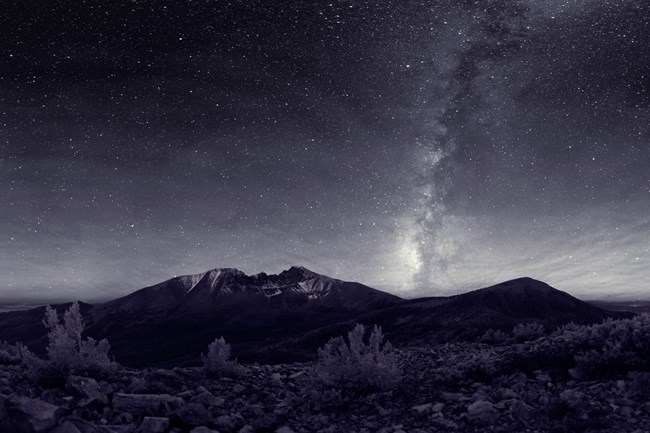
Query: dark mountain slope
[[502, 306], [171, 322], [288, 316], [456, 318]]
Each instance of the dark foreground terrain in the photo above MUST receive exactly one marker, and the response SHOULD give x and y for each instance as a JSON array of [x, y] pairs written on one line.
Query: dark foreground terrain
[[467, 387], [519, 356]]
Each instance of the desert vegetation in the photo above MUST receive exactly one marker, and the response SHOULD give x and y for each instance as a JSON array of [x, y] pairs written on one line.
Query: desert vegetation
[[218, 360], [571, 379], [68, 353], [357, 366]]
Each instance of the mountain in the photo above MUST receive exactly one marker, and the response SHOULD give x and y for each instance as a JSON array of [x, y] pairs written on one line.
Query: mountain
[[500, 307], [171, 322], [223, 288], [465, 317], [276, 318]]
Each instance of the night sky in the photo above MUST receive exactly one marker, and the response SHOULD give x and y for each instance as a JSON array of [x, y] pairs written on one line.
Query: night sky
[[419, 147]]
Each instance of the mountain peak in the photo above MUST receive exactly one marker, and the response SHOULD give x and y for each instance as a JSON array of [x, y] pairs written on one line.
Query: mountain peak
[[522, 283], [527, 297], [530, 285], [210, 278], [298, 272], [300, 268]]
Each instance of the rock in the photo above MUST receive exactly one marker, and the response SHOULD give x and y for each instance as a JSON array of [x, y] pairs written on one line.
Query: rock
[[227, 423], [122, 418], [382, 411], [452, 396], [186, 395], [627, 412], [151, 424], [422, 408], [543, 377], [66, 427], [285, 429], [191, 414], [572, 397], [202, 429], [27, 415], [247, 429], [238, 389], [576, 373], [86, 388], [146, 404], [208, 399], [85, 412], [74, 425], [264, 422], [437, 408], [520, 410], [481, 412]]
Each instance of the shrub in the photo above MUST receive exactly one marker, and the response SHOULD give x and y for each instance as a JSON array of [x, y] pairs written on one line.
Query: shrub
[[157, 381], [527, 331], [492, 336], [356, 366], [613, 347], [218, 361], [9, 353], [67, 351]]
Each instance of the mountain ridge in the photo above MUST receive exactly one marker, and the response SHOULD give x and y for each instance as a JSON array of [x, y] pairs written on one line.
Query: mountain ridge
[[286, 316]]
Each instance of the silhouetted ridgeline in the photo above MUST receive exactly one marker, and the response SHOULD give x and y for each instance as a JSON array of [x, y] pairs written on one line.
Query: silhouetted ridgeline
[[286, 317]]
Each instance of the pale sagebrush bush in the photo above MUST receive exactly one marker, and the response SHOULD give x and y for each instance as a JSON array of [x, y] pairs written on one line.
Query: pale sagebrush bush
[[67, 351], [219, 362], [527, 331], [356, 366], [614, 346]]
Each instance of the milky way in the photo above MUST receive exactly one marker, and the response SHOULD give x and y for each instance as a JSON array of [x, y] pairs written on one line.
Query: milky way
[[422, 148]]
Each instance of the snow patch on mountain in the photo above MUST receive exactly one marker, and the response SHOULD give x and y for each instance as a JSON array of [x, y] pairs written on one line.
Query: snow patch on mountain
[[297, 280], [315, 288]]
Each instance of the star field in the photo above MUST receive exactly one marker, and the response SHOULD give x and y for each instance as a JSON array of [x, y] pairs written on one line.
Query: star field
[[418, 147]]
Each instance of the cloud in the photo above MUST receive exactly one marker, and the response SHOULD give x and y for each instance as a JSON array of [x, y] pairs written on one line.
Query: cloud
[[607, 258]]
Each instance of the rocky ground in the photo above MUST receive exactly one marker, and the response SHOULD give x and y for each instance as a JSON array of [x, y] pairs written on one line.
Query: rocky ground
[[441, 391]]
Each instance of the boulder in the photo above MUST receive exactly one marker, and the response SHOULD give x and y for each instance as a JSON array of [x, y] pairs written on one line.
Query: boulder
[[452, 396], [437, 408], [191, 414], [422, 408], [520, 410], [227, 423], [202, 429], [20, 414], [85, 388], [482, 412], [65, 427], [146, 404], [152, 424], [78, 425], [208, 399]]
